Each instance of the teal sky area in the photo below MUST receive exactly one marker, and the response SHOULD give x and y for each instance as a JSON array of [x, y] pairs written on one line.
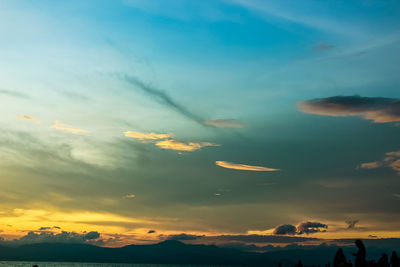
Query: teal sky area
[[199, 117]]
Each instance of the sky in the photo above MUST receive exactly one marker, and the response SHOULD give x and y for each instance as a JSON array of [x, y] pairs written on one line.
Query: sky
[[216, 121]]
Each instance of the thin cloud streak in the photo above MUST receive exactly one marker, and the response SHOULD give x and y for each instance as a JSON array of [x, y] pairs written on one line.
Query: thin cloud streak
[[28, 118], [243, 167], [64, 127], [225, 123], [163, 98]]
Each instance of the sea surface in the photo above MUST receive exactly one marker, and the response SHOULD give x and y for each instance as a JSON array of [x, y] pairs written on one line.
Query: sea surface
[[78, 264]]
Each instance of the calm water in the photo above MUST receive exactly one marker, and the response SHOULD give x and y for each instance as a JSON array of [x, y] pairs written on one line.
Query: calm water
[[77, 264]]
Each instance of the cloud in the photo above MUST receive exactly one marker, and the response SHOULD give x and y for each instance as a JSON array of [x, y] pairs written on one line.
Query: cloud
[[151, 231], [162, 97], [14, 94], [311, 227], [64, 127], [184, 237], [130, 196], [285, 229], [146, 136], [50, 237], [351, 224], [47, 228], [227, 123], [28, 118], [243, 167], [180, 146], [377, 109], [392, 160]]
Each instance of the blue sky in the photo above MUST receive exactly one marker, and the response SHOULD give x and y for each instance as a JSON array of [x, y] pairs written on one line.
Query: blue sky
[[119, 112]]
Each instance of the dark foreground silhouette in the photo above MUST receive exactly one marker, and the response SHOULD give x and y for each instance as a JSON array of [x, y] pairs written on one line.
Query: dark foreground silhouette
[[175, 252]]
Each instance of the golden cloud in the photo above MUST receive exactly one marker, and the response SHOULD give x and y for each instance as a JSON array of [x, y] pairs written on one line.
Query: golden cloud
[[64, 127], [28, 118], [243, 167], [392, 160], [180, 146], [146, 136], [130, 196]]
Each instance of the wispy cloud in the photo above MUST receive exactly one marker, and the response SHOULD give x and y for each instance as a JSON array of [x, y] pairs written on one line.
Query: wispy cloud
[[14, 94], [377, 109], [273, 10], [162, 97], [225, 123], [130, 196], [64, 127], [28, 118], [180, 146], [243, 167], [392, 160], [146, 136]]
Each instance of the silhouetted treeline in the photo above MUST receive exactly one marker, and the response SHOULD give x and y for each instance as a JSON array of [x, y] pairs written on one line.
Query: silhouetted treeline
[[360, 259]]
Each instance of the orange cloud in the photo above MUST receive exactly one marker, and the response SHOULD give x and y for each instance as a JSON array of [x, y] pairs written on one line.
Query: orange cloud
[[243, 167], [28, 118], [146, 136], [130, 196], [230, 123], [64, 127], [392, 160], [180, 146]]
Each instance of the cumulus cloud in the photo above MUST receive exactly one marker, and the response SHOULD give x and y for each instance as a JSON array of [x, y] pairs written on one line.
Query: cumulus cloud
[[391, 160], [50, 237], [377, 109], [227, 123], [311, 227], [146, 136], [28, 118], [64, 127], [285, 229], [180, 146], [243, 167]]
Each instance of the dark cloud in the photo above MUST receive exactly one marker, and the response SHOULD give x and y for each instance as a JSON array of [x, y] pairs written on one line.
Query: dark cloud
[[351, 224], [14, 94], [311, 227], [377, 109], [258, 238], [285, 229], [151, 231], [47, 228], [63, 237], [163, 98], [184, 237]]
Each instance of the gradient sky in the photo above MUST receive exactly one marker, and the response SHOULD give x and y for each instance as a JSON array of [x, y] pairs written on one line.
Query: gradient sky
[[217, 117]]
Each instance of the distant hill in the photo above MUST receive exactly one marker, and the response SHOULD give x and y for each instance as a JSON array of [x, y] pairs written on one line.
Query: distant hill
[[167, 252], [176, 252]]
